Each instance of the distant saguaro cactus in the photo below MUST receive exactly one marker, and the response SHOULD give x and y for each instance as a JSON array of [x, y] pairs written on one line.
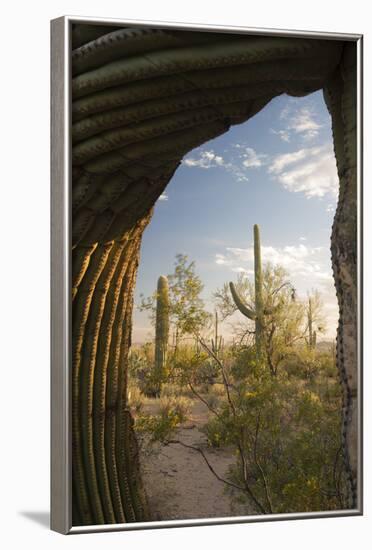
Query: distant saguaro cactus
[[311, 340], [217, 341], [161, 332], [257, 315]]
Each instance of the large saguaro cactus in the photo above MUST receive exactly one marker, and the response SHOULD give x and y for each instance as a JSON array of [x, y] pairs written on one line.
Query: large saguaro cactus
[[161, 332], [141, 99], [257, 315]]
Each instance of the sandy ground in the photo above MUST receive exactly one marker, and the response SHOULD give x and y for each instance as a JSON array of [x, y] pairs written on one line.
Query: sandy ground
[[179, 483]]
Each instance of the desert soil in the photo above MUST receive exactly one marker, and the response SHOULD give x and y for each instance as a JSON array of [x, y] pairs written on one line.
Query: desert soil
[[178, 482]]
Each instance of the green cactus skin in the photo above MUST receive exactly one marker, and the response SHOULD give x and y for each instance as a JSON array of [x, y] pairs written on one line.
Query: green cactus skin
[[217, 341], [258, 315], [161, 332], [102, 314], [258, 289], [311, 340]]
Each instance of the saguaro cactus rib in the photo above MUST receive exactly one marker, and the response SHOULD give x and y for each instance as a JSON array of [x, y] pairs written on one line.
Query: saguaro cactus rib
[[118, 477], [100, 382], [127, 216], [180, 139], [83, 34], [158, 63], [80, 315], [104, 409], [340, 95], [112, 140], [135, 502], [127, 42], [88, 366], [109, 273], [84, 188], [108, 193], [80, 262], [312, 70], [151, 111], [121, 117], [116, 359]]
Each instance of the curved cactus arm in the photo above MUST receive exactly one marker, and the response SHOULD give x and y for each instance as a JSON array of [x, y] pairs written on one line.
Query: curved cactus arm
[[240, 304]]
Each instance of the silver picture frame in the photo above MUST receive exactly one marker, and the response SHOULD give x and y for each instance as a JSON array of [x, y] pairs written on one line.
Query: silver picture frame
[[61, 461]]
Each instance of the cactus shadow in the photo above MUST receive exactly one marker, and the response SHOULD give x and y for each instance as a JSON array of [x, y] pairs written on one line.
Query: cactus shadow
[[42, 518]]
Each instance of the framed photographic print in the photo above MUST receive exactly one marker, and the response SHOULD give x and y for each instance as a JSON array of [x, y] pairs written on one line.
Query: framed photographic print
[[206, 275]]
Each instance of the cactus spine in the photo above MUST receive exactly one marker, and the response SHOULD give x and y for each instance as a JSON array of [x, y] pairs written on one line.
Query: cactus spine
[[258, 314], [161, 332]]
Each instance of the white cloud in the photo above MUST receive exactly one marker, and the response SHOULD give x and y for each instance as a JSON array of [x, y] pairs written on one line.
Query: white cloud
[[207, 159], [303, 122], [300, 121], [220, 259], [311, 171], [163, 197], [284, 113], [240, 269], [282, 161], [286, 256], [252, 159], [301, 261], [283, 134]]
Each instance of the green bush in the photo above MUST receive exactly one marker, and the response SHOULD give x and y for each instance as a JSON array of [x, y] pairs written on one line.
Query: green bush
[[287, 438], [172, 413]]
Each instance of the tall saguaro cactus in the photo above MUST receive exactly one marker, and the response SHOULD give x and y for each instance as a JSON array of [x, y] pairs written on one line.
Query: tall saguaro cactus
[[217, 341], [161, 331], [257, 315], [311, 331]]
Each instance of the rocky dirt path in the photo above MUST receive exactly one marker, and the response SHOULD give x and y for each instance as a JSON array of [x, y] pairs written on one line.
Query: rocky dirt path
[[179, 483]]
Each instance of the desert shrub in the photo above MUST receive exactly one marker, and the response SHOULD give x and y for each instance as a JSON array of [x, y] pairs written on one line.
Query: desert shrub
[[141, 367], [243, 362], [142, 371], [173, 411], [190, 365], [172, 389], [287, 440], [179, 407], [135, 399], [218, 390], [327, 365], [217, 430]]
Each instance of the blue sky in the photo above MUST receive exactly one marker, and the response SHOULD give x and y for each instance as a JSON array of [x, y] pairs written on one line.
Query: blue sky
[[278, 170]]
